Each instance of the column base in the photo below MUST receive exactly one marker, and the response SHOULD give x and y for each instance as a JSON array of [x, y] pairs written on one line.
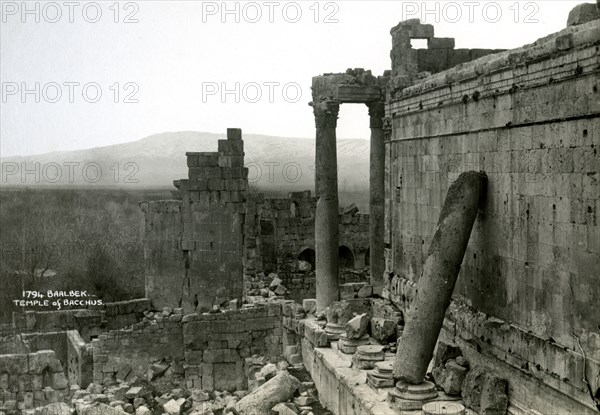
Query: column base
[[408, 397], [334, 331], [443, 408], [348, 346]]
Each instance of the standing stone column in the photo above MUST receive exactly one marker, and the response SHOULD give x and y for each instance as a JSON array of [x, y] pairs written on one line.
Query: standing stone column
[[377, 195], [326, 216], [435, 286]]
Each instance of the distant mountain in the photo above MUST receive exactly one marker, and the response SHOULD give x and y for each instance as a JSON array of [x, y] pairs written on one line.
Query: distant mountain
[[275, 163]]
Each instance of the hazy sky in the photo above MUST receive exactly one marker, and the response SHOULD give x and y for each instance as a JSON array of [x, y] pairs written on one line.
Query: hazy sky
[[166, 63]]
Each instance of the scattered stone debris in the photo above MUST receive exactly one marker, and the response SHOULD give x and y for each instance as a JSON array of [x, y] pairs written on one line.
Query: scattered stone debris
[[485, 392]]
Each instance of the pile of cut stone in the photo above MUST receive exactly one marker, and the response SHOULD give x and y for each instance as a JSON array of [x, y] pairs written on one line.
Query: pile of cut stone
[[166, 314], [272, 389], [276, 286]]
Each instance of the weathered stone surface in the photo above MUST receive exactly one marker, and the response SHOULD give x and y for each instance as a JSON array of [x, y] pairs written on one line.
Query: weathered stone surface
[[143, 410], [357, 326], [309, 305], [485, 392], [198, 395], [383, 329], [262, 399], [443, 408], [437, 282], [454, 377], [494, 398], [284, 409], [583, 13], [445, 352], [157, 369], [174, 406], [98, 409], [134, 392], [268, 371], [60, 408]]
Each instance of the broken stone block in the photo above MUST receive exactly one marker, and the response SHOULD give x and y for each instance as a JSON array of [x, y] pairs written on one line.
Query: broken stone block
[[284, 408], [280, 290], [351, 210], [357, 326], [347, 292], [174, 407], [309, 305], [485, 392], [157, 369], [304, 266], [445, 352], [383, 329], [365, 291], [59, 381], [279, 389], [583, 13], [462, 362], [198, 395], [441, 43], [143, 410], [123, 372], [268, 371], [134, 392], [137, 402], [304, 400], [276, 281], [454, 377], [494, 400]]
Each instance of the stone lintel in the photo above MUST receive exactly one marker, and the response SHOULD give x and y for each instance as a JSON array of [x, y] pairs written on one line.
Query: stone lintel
[[358, 94]]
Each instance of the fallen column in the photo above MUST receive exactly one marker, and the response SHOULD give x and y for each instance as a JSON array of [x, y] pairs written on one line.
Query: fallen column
[[434, 288], [278, 389]]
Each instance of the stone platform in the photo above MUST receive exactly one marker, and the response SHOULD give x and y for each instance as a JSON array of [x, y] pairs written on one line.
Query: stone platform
[[344, 389]]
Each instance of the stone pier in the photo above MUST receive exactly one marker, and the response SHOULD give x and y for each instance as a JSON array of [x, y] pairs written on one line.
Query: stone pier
[[326, 215]]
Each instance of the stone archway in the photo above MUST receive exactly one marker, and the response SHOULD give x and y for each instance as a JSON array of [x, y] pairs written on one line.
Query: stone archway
[[329, 92]]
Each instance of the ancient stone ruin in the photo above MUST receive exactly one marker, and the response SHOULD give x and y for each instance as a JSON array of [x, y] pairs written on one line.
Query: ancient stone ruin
[[469, 287]]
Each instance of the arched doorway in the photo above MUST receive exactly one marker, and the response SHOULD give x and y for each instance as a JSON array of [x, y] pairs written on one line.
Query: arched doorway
[[346, 257], [308, 255]]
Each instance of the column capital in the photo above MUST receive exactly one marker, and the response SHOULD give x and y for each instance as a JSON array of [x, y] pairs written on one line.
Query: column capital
[[326, 113], [376, 113]]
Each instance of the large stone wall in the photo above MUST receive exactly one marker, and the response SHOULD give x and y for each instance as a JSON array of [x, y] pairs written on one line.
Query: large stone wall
[[529, 118], [286, 235], [410, 64], [31, 380], [194, 247], [89, 322], [216, 345], [128, 353]]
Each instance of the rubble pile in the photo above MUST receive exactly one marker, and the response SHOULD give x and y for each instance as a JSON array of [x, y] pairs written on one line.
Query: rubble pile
[[271, 389]]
